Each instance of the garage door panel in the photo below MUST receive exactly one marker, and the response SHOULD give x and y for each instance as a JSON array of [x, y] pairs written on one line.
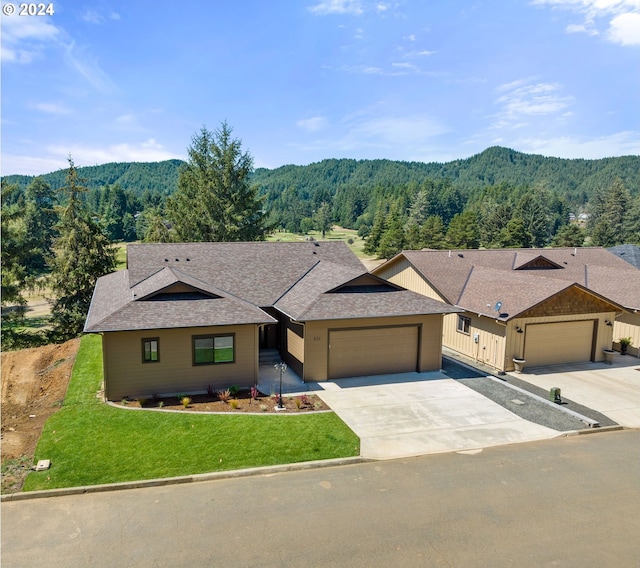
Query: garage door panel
[[358, 352], [559, 342]]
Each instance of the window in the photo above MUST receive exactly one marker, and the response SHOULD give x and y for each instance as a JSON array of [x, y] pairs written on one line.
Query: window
[[150, 350], [464, 324], [211, 349]]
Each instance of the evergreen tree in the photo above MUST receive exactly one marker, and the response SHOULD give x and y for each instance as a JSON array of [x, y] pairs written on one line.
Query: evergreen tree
[[155, 228], [392, 240], [40, 218], [377, 230], [13, 263], [83, 253], [492, 218], [215, 200], [515, 234], [463, 231], [632, 222], [322, 219], [432, 233], [608, 213], [534, 210], [418, 211], [571, 235]]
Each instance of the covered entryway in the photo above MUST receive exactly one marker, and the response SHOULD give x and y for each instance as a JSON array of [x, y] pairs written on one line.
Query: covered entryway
[[373, 351], [559, 342]]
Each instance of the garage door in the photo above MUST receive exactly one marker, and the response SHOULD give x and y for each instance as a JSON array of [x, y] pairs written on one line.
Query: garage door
[[554, 343], [358, 352]]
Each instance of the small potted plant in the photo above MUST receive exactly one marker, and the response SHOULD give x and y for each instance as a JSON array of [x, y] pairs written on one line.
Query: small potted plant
[[624, 342]]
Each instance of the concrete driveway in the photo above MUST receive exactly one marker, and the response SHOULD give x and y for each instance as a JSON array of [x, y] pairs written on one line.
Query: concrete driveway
[[613, 390], [423, 413]]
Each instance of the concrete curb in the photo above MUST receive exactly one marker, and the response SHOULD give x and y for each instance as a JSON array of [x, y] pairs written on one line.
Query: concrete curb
[[196, 478]]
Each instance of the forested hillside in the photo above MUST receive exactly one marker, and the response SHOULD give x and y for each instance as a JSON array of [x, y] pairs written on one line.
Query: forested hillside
[[156, 177], [497, 198]]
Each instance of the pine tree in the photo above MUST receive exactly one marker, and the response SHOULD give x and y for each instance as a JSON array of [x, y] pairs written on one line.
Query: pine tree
[[83, 253], [571, 235], [392, 240], [418, 211], [515, 234], [377, 230], [13, 263], [463, 231], [608, 213], [322, 219], [215, 200], [40, 218], [432, 233]]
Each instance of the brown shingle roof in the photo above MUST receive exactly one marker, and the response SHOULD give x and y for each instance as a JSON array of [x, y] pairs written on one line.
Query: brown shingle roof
[[114, 306], [259, 272], [466, 277], [515, 291], [330, 291]]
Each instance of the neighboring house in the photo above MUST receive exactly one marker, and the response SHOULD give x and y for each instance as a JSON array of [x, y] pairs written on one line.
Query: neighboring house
[[628, 253], [187, 317], [546, 306]]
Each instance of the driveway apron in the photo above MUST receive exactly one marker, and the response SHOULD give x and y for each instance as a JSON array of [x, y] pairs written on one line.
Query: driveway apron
[[613, 390], [423, 413]]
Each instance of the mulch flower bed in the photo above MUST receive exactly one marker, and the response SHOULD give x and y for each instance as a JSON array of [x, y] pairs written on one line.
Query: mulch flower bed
[[238, 403]]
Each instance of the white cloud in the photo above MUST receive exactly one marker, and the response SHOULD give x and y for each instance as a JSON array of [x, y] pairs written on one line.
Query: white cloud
[[24, 39], [619, 144], [391, 131], [147, 151], [95, 17], [522, 99], [625, 29], [88, 67], [423, 53], [54, 157], [29, 166], [92, 17], [623, 18], [325, 7], [51, 108], [312, 124]]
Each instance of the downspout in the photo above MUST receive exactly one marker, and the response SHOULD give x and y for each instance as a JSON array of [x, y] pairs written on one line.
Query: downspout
[[304, 343]]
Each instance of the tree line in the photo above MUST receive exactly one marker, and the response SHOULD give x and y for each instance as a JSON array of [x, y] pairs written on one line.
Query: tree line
[[62, 240], [59, 234]]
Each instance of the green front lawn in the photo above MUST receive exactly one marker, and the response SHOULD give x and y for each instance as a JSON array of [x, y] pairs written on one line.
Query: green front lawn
[[89, 442]]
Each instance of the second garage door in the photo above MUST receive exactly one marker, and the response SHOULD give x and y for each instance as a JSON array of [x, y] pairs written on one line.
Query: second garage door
[[561, 342], [375, 351]]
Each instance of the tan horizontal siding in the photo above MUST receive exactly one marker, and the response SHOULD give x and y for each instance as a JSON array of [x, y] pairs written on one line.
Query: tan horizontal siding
[[490, 348], [403, 274], [126, 375], [628, 325], [295, 345]]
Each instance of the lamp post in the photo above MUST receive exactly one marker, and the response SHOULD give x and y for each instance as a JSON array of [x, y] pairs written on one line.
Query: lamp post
[[282, 367]]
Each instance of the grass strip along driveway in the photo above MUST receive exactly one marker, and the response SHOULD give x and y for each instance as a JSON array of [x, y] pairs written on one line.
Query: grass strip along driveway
[[90, 443]]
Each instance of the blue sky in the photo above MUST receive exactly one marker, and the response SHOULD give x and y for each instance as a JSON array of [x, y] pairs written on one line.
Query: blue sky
[[301, 81]]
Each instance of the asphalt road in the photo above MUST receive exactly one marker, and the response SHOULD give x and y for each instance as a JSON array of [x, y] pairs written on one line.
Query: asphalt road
[[571, 501]]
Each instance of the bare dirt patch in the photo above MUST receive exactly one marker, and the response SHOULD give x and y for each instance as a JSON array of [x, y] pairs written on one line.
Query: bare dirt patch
[[34, 383]]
